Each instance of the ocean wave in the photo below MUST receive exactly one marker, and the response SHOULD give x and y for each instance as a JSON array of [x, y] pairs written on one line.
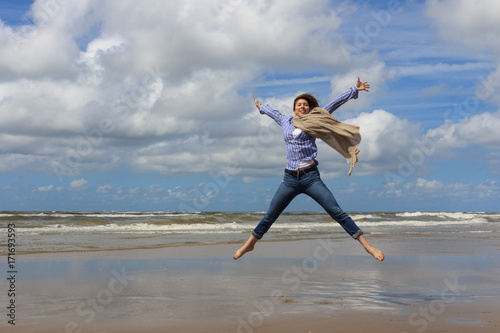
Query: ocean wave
[[97, 214], [231, 227], [442, 215], [361, 217], [240, 215]]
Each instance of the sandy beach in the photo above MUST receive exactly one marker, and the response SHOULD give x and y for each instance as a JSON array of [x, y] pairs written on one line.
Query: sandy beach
[[447, 283]]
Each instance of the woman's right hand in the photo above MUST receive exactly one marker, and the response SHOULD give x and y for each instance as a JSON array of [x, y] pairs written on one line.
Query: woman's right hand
[[257, 104], [362, 85]]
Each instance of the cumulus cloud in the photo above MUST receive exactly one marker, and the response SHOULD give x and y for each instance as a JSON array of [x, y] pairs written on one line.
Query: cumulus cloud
[[480, 130], [386, 139], [473, 26], [78, 183], [488, 189], [464, 21], [48, 188], [92, 85], [104, 188], [399, 149], [130, 79]]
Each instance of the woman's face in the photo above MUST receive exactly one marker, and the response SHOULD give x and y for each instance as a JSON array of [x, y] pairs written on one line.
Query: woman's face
[[301, 108]]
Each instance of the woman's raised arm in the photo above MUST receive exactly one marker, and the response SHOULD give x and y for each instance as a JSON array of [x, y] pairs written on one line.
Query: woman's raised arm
[[347, 95]]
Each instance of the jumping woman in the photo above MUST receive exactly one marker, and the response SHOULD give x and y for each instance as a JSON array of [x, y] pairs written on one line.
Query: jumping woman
[[301, 173]]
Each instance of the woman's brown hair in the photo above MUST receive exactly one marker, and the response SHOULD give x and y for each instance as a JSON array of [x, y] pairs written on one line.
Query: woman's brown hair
[[311, 100]]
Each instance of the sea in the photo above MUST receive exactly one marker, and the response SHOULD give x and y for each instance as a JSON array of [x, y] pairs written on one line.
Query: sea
[[66, 231]]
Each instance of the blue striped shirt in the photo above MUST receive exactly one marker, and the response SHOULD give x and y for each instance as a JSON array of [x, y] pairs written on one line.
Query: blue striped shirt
[[303, 146]]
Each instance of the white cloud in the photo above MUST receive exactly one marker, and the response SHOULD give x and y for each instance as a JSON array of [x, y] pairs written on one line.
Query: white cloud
[[385, 139], [78, 183], [474, 23], [480, 130], [104, 188], [176, 193], [28, 50], [471, 26], [166, 79], [48, 188], [439, 69], [154, 188], [488, 189], [163, 75], [426, 185], [424, 188], [389, 143]]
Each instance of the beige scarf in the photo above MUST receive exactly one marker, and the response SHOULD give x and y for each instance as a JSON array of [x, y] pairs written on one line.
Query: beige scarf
[[344, 138]]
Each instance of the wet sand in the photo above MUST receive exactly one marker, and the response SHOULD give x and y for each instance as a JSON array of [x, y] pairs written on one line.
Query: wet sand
[[438, 283]]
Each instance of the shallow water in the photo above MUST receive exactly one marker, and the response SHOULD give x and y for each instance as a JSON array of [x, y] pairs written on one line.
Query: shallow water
[[190, 289]]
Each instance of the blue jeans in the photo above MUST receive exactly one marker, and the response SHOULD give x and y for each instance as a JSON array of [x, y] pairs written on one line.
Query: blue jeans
[[312, 185]]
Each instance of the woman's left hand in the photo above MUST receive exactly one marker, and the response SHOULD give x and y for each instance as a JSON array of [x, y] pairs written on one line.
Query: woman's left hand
[[257, 104], [362, 85]]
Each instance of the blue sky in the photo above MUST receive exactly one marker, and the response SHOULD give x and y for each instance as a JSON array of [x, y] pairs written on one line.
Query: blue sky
[[137, 106]]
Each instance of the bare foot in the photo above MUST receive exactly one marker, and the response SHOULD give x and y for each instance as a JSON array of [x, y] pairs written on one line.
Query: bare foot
[[377, 254], [244, 249]]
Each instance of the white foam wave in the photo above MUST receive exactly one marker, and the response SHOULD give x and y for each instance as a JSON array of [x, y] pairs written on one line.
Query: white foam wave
[[202, 228], [99, 215], [442, 215], [358, 217], [135, 228], [417, 223]]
